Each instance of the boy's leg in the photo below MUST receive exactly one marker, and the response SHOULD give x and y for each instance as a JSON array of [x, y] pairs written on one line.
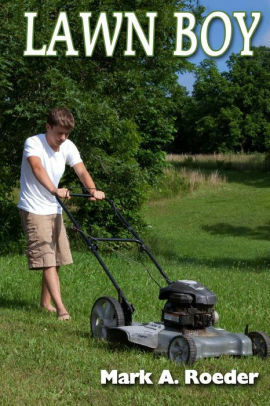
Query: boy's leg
[[51, 279], [45, 301], [47, 244], [46, 298]]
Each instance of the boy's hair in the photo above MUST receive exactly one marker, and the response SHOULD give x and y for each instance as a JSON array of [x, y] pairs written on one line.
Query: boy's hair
[[61, 116]]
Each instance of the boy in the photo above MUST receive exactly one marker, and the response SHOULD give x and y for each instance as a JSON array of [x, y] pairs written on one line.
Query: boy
[[43, 164]]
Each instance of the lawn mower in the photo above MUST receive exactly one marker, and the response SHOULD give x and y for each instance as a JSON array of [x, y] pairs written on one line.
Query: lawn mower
[[187, 329]]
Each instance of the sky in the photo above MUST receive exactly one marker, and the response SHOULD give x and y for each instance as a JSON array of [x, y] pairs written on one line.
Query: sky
[[261, 36]]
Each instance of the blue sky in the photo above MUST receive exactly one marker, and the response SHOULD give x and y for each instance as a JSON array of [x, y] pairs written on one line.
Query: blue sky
[[261, 36]]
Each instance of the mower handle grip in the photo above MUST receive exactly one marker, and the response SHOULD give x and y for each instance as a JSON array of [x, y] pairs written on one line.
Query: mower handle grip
[[85, 195], [80, 194]]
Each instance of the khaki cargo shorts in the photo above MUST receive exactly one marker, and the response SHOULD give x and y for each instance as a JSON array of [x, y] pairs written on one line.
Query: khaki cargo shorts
[[47, 241]]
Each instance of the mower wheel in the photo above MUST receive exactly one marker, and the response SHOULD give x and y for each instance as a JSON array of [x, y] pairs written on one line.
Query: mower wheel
[[107, 312], [260, 343], [182, 349]]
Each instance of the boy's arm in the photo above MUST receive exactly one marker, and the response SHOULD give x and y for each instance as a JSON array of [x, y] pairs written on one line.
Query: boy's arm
[[87, 181], [42, 176]]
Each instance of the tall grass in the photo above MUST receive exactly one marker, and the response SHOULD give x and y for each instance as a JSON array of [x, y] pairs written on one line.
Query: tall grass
[[179, 181], [196, 178], [241, 161]]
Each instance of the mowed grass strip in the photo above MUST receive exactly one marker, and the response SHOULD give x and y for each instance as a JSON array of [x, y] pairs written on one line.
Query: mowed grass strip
[[216, 234]]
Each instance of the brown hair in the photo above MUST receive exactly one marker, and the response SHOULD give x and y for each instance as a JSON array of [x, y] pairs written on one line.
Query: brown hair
[[61, 116]]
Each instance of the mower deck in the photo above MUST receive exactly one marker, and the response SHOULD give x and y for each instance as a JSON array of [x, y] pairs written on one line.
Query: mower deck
[[207, 342]]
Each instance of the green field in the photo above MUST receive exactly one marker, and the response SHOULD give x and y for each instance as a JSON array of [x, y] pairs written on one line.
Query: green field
[[217, 234]]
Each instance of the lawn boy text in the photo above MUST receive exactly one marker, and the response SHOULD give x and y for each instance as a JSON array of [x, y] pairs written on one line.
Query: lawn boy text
[[186, 38]]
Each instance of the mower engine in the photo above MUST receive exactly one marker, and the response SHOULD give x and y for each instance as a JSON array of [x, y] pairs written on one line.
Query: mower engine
[[189, 305]]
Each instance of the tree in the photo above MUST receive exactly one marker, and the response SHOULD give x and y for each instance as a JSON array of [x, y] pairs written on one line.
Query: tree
[[217, 125], [228, 111], [250, 78], [209, 119]]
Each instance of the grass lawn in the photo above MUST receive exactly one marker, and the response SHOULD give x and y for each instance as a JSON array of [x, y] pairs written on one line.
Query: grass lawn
[[216, 235]]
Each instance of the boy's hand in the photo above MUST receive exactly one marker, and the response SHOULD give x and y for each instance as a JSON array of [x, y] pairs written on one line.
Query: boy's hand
[[62, 192], [97, 195]]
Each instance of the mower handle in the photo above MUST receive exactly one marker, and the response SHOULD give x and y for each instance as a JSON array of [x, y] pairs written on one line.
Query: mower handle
[[119, 215], [137, 239], [86, 195]]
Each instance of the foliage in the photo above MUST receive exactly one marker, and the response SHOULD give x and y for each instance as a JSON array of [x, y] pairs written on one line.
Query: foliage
[[122, 105], [228, 111], [250, 79]]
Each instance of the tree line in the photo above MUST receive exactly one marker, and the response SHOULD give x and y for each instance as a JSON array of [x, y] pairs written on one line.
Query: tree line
[[227, 111]]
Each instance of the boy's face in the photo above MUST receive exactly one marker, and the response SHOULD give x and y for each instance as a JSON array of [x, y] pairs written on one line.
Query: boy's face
[[56, 135]]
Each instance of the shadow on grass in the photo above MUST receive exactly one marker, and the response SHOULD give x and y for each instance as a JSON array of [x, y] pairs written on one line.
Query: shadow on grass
[[123, 346], [83, 334], [97, 343], [126, 346], [112, 345], [257, 264], [256, 179], [18, 304], [258, 233]]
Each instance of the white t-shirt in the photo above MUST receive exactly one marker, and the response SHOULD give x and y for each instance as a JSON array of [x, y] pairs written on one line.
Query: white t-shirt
[[34, 197]]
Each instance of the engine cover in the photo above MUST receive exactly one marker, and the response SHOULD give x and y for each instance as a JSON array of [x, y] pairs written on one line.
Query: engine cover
[[186, 291]]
